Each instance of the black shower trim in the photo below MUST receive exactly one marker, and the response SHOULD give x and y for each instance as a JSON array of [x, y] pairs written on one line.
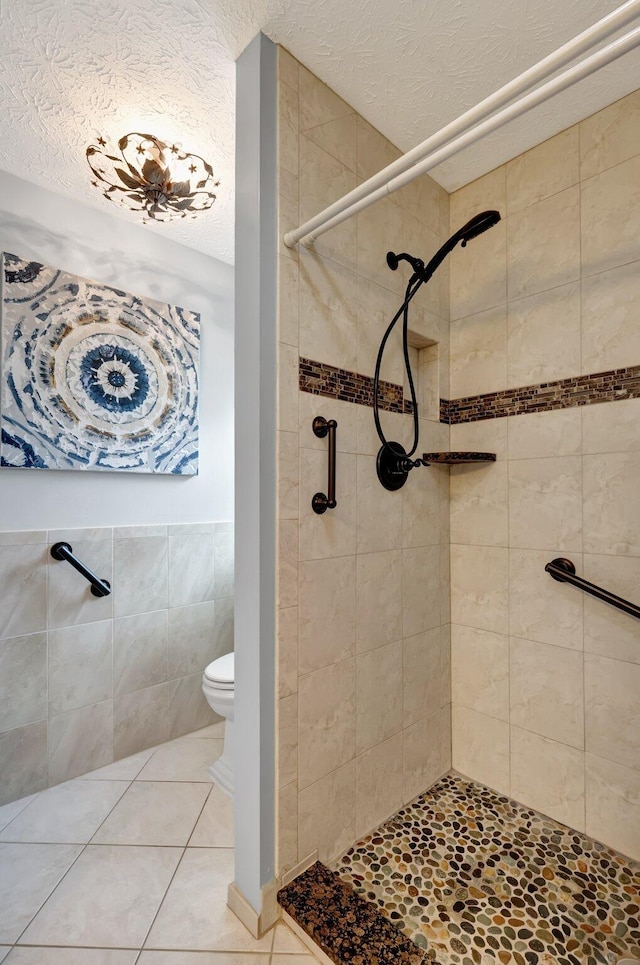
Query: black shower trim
[[346, 386]]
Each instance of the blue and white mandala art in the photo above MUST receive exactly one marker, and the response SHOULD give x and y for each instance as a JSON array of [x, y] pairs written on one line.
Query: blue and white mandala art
[[94, 378]]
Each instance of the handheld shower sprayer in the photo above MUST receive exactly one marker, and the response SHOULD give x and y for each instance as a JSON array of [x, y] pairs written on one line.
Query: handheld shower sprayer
[[394, 463]]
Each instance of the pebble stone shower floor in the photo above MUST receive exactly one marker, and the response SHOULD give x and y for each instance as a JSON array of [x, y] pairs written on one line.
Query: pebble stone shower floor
[[477, 879]]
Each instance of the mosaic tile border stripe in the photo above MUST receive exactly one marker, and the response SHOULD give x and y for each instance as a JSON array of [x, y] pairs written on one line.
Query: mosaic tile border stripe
[[608, 386], [318, 378], [346, 927]]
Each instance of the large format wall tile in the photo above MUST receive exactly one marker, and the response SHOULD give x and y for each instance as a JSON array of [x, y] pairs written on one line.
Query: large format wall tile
[[323, 179], [613, 804], [141, 576], [541, 608], [140, 720], [480, 671], [378, 784], [543, 244], [190, 569], [610, 332], [23, 761], [540, 435], [481, 748], [327, 612], [422, 753], [612, 504], [378, 695], [140, 651], [80, 741], [539, 348], [546, 691], [607, 631], [327, 720], [479, 271], [327, 299], [327, 814], [190, 639], [548, 776], [480, 587], [544, 170], [334, 532], [378, 599], [610, 136], [23, 680], [545, 503], [479, 505], [611, 428], [57, 707], [421, 597], [80, 666], [24, 567], [612, 709], [478, 353], [188, 708], [610, 220], [425, 674]]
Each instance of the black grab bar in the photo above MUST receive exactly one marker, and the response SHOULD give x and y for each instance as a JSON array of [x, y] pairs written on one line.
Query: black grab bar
[[564, 571], [63, 551], [321, 502]]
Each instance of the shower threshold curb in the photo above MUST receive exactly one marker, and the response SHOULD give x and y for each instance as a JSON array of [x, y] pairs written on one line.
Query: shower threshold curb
[[346, 927]]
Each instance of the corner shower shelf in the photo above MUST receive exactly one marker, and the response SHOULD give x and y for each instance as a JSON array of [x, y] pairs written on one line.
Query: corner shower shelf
[[457, 458]]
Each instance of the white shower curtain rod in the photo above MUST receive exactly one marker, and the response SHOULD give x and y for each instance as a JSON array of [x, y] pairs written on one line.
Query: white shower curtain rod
[[466, 129]]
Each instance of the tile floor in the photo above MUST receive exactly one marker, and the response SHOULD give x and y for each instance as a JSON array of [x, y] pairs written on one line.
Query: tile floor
[[129, 864], [473, 877]]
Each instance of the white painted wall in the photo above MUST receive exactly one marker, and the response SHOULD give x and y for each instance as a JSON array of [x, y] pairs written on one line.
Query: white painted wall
[[38, 224]]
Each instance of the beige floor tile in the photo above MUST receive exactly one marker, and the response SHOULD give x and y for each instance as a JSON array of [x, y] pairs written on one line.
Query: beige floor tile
[[215, 825], [9, 811], [30, 872], [286, 942], [204, 958], [154, 813], [67, 814], [71, 956], [108, 899], [182, 760], [303, 959], [125, 770], [194, 913], [4, 951]]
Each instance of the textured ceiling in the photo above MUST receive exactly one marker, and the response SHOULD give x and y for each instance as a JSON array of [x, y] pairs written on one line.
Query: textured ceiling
[[70, 69]]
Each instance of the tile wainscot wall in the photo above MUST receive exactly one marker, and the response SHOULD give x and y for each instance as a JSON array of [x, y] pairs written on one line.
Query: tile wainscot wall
[[85, 681]]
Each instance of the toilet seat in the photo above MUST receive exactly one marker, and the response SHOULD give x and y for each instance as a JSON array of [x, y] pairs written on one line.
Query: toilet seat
[[220, 672]]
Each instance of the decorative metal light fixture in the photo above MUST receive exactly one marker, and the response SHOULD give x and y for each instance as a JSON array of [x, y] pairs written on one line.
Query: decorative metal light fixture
[[147, 175]]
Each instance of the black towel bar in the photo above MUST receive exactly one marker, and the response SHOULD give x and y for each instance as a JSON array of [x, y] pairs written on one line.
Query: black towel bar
[[63, 551], [564, 571]]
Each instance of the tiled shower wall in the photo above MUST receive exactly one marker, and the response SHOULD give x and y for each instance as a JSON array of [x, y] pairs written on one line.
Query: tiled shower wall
[[85, 681], [546, 680], [363, 605]]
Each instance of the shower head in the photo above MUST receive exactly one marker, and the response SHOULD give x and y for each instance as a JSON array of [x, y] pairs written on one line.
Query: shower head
[[479, 223], [476, 226]]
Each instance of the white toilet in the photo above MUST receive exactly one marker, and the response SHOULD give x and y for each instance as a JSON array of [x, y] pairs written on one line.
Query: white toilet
[[218, 684]]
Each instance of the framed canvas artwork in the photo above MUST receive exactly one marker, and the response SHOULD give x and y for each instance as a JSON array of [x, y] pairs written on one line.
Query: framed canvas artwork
[[95, 378]]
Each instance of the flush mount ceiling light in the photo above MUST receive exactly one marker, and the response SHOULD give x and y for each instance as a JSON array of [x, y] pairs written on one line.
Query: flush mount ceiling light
[[145, 174]]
